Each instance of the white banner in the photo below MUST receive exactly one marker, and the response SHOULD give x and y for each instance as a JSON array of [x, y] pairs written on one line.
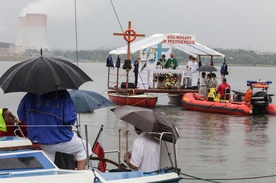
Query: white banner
[[178, 39]]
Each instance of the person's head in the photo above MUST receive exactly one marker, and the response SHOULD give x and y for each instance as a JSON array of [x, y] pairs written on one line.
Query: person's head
[[203, 74], [214, 75], [137, 130], [172, 55], [224, 80], [6, 118], [191, 57], [163, 57], [209, 75]]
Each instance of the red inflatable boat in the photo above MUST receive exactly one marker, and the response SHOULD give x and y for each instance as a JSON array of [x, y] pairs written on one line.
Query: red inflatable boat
[[259, 102], [191, 101]]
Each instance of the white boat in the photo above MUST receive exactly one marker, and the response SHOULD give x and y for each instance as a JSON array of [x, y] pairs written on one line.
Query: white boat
[[20, 162]]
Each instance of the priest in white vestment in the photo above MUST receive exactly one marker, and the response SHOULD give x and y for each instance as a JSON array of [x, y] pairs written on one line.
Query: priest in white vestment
[[195, 74]]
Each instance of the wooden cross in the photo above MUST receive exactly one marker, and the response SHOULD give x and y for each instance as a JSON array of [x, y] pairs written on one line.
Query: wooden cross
[[129, 35]]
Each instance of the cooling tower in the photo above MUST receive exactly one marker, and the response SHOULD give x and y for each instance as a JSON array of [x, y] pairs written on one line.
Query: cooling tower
[[22, 31], [32, 32]]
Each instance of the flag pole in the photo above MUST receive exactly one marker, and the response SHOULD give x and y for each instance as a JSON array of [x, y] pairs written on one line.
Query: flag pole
[[95, 142]]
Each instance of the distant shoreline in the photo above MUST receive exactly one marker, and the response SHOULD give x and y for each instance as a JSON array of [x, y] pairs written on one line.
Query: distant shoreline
[[16, 59]]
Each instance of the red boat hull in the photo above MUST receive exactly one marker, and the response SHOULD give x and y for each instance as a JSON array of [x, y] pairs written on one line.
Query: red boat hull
[[135, 100], [190, 102], [271, 109]]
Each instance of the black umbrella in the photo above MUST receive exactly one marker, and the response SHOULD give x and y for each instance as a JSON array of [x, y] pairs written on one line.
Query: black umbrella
[[87, 101], [42, 75], [207, 68], [147, 120]]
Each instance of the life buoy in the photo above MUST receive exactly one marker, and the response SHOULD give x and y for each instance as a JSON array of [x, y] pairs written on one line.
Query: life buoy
[[260, 85], [128, 36]]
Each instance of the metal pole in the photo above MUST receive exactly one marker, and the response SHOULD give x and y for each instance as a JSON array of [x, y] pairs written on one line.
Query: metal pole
[[86, 138], [127, 140], [76, 32], [119, 154]]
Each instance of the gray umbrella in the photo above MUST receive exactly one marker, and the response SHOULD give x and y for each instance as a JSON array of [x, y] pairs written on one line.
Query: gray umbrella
[[42, 75], [87, 101], [207, 68], [147, 120]]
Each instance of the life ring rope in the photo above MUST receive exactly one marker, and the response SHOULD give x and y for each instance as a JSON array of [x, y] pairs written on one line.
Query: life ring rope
[[130, 35]]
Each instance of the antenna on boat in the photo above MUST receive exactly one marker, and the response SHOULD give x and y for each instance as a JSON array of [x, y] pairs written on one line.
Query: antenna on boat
[[76, 32], [116, 16]]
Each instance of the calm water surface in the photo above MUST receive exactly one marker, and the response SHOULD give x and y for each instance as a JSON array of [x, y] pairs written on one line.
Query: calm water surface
[[211, 146]]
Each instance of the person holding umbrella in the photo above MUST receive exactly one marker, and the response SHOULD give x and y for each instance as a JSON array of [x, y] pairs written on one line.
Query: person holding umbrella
[[145, 153], [49, 118]]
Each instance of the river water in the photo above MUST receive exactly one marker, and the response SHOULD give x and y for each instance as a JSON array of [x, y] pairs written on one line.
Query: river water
[[212, 146]]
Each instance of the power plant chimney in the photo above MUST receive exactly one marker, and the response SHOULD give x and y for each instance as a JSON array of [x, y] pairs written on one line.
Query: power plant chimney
[[32, 32]]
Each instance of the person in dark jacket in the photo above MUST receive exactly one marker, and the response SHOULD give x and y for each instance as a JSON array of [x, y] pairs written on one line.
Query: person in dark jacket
[[136, 70], [224, 70]]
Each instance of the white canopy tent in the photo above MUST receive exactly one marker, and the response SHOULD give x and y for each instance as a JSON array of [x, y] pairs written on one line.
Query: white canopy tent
[[151, 48], [196, 49]]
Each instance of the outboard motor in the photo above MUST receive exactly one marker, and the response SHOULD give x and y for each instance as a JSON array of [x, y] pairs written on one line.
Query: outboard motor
[[260, 101]]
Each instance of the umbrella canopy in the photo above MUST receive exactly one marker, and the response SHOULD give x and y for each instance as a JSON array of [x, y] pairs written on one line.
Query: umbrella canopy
[[207, 68], [42, 75], [147, 120], [87, 101]]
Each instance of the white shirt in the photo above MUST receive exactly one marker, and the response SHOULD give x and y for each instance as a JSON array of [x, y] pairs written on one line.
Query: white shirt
[[145, 153]]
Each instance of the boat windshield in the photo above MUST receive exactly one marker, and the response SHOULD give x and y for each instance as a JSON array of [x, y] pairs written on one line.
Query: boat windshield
[[20, 163], [23, 160]]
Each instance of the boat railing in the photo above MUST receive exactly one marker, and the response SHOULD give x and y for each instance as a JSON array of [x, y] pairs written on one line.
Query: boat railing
[[162, 141]]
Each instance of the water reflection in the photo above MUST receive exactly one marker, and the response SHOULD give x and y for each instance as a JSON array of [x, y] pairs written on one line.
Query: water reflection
[[255, 130]]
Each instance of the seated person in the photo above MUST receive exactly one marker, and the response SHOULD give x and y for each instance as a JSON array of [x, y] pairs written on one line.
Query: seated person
[[7, 124], [145, 153], [222, 87], [213, 81]]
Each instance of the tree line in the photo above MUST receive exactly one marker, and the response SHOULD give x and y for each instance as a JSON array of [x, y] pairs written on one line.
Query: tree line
[[233, 56]]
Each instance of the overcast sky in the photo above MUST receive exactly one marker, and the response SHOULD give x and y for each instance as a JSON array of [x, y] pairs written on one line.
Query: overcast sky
[[238, 24]]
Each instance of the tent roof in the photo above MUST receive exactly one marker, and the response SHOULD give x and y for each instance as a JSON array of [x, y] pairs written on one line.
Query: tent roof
[[196, 49]]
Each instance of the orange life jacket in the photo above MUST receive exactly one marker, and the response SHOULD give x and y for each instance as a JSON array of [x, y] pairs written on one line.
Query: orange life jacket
[[248, 95]]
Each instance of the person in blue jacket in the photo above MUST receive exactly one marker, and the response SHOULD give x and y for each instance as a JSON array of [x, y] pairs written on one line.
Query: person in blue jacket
[[224, 70], [49, 118]]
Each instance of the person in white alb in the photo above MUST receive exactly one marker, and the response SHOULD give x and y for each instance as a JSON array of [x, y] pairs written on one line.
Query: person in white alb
[[145, 153], [195, 73], [189, 66]]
